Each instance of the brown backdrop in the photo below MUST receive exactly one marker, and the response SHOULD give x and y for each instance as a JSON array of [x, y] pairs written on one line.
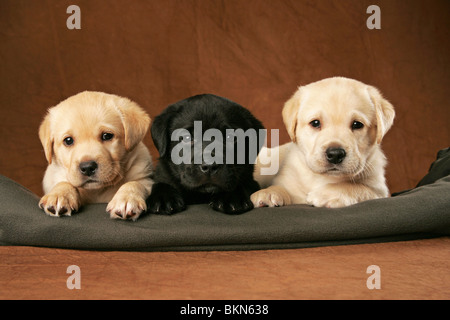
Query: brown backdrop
[[255, 52]]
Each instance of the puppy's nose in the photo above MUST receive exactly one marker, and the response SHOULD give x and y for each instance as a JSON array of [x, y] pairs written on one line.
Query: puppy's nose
[[209, 168], [335, 155], [88, 168]]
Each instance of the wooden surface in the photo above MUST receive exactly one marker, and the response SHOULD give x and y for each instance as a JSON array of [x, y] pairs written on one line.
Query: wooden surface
[[408, 270]]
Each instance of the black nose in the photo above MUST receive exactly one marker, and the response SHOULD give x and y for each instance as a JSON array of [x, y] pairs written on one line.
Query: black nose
[[209, 168], [335, 155], [88, 168]]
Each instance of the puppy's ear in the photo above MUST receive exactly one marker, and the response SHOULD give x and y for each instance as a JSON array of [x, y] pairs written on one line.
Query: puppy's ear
[[257, 125], [46, 138], [159, 130], [135, 122], [384, 112], [289, 113]]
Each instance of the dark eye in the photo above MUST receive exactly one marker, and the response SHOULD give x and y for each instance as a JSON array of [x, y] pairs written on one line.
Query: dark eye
[[315, 124], [357, 125], [68, 141], [186, 138], [106, 136], [229, 137]]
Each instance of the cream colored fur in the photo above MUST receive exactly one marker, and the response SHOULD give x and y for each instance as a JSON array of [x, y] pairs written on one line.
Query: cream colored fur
[[124, 163], [305, 176]]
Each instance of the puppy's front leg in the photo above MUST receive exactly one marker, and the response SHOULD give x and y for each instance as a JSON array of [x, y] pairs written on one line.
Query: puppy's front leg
[[237, 201], [231, 202], [336, 195], [273, 196], [129, 200], [63, 199], [165, 199]]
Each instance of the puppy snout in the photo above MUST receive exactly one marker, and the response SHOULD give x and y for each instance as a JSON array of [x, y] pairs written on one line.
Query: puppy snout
[[88, 168], [209, 168], [335, 155]]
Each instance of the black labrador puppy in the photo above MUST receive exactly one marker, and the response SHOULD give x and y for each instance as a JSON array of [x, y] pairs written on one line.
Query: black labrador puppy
[[207, 146]]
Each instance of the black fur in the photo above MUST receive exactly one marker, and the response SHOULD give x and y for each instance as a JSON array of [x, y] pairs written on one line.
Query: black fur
[[226, 187]]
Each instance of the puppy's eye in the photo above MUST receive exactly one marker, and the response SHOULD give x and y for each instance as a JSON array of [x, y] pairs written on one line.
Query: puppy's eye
[[186, 138], [68, 141], [315, 124], [357, 125], [106, 136], [229, 137]]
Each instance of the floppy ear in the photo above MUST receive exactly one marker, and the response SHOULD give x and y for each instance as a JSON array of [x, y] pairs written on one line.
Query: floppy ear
[[135, 122], [46, 138], [384, 112], [159, 130], [257, 125], [289, 113], [253, 123]]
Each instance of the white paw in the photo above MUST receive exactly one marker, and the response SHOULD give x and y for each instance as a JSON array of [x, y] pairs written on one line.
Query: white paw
[[329, 198], [268, 198], [56, 205], [126, 206]]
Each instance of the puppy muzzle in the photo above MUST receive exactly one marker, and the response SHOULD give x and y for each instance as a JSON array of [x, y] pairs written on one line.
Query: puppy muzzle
[[88, 168], [335, 155]]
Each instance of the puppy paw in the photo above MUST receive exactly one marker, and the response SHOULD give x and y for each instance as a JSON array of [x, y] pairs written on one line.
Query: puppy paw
[[231, 203], [166, 204], [126, 206], [270, 197], [60, 202], [165, 200], [329, 198]]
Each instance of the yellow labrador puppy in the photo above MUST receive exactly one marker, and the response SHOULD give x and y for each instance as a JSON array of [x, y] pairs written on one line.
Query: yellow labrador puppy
[[93, 144], [336, 126]]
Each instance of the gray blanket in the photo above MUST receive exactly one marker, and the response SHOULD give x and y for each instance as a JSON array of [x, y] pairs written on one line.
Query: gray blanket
[[419, 213]]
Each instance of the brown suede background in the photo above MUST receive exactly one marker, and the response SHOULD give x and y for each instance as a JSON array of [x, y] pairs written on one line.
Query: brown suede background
[[255, 52]]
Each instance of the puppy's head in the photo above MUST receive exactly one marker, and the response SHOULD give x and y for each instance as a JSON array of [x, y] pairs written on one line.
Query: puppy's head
[[337, 123], [205, 142], [90, 135]]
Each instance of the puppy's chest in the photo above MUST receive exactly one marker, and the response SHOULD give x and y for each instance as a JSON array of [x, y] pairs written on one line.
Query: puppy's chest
[[104, 195], [193, 197]]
